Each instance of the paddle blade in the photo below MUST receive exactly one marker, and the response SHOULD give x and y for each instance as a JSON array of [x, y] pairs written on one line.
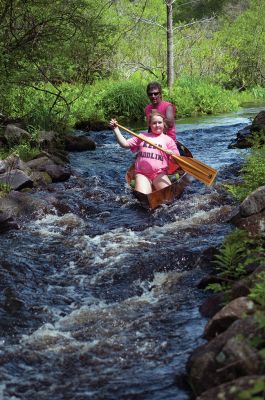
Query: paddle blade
[[197, 169]]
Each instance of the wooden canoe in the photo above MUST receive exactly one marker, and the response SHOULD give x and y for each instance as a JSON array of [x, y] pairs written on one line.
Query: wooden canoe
[[166, 195]]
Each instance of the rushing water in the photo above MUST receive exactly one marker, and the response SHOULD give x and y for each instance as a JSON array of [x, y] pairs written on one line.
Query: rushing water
[[100, 301]]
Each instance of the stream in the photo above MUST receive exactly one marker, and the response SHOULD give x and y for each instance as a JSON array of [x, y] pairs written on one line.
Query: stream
[[100, 301]]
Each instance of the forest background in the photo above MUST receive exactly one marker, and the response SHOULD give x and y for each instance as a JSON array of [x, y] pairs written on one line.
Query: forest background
[[66, 61]]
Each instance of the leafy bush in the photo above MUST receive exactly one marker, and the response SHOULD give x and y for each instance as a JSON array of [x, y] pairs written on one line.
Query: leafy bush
[[194, 95], [25, 151], [124, 99], [253, 173], [51, 109]]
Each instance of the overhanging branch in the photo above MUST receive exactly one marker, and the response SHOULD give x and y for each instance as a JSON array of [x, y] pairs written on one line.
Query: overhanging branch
[[193, 23]]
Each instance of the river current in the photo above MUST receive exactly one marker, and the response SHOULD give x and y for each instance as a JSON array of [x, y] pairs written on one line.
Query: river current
[[99, 298]]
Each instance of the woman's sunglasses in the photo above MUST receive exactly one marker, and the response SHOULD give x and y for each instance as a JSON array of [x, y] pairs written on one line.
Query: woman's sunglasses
[[155, 94]]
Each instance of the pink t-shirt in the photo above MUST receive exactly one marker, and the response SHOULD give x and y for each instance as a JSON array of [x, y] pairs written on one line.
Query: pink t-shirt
[[162, 109], [149, 159]]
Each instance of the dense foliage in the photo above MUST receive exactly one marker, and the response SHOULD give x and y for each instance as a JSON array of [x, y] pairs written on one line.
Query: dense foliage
[[66, 60], [253, 170], [49, 42]]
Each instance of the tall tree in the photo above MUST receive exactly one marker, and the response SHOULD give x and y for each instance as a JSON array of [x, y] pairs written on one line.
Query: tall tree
[[52, 40], [170, 45]]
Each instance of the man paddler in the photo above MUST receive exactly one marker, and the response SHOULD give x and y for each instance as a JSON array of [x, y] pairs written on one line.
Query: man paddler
[[168, 110]]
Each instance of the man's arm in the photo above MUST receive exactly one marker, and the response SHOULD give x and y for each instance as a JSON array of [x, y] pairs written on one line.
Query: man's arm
[[170, 116]]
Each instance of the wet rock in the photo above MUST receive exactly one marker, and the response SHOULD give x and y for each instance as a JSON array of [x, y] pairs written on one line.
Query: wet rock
[[79, 143], [253, 203], [57, 172], [50, 140], [226, 357], [258, 123], [212, 305], [13, 135], [40, 179], [245, 136], [233, 390], [16, 179], [254, 224], [243, 286], [90, 125], [19, 204], [4, 121], [234, 310], [12, 304], [251, 213], [209, 279], [243, 139], [60, 157], [12, 162], [6, 222]]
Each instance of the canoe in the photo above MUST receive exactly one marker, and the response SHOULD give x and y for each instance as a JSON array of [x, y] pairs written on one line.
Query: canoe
[[163, 196]]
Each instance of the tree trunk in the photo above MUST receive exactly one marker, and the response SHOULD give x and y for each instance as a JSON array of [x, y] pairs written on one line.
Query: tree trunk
[[170, 58]]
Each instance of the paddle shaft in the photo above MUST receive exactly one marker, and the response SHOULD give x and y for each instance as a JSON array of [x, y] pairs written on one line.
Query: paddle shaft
[[193, 167]]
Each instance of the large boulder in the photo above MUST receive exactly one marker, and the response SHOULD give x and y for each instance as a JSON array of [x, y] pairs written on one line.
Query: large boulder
[[236, 309], [16, 179], [20, 204], [228, 356], [12, 162], [253, 203], [58, 171], [251, 214], [258, 123], [245, 135], [50, 140], [89, 125], [13, 135], [79, 143]]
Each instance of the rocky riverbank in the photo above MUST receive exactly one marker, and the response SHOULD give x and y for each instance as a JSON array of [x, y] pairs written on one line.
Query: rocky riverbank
[[20, 180], [231, 364]]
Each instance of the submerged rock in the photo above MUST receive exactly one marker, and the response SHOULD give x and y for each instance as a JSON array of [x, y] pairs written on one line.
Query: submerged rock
[[6, 222]]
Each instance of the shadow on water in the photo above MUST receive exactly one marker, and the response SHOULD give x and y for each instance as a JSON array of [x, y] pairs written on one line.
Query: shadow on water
[[100, 302]]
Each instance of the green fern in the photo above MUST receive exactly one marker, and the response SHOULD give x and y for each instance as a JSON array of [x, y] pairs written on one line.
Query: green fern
[[228, 261], [257, 293], [237, 252], [217, 287]]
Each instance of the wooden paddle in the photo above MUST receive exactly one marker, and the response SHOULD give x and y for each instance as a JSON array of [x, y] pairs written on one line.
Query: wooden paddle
[[193, 167]]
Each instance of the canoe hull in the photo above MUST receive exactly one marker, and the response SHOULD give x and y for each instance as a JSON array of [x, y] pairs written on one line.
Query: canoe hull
[[163, 196]]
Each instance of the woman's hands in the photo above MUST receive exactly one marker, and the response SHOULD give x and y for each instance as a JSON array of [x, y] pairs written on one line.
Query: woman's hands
[[113, 123]]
